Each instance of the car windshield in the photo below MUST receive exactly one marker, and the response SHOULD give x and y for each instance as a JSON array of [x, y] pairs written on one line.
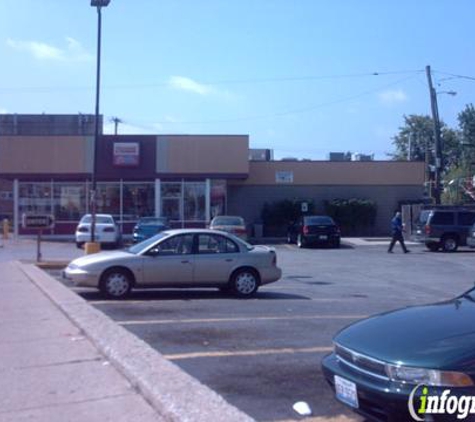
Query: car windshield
[[153, 221], [228, 221], [139, 247], [100, 219], [324, 220]]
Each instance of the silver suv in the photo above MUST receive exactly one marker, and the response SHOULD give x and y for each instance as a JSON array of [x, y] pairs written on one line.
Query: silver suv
[[445, 228]]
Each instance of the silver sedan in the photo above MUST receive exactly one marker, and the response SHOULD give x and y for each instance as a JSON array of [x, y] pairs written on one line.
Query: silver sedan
[[179, 258]]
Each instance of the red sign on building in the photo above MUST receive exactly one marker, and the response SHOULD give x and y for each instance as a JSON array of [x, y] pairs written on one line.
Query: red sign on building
[[126, 154]]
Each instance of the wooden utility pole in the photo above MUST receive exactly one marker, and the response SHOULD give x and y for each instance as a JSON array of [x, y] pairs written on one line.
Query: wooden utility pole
[[437, 142], [116, 122]]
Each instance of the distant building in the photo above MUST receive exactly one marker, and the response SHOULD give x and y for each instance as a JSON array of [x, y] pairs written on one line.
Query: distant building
[[46, 162]]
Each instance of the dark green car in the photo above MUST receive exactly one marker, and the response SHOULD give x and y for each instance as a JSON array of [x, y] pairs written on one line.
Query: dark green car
[[424, 350]]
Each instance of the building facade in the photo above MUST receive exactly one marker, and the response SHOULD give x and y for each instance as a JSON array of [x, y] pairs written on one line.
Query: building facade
[[187, 178]]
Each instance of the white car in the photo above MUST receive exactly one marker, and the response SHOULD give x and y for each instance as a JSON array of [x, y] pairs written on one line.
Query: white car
[[179, 258], [106, 230], [231, 224]]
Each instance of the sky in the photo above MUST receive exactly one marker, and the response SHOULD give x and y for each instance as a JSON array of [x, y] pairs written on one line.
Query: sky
[[301, 77]]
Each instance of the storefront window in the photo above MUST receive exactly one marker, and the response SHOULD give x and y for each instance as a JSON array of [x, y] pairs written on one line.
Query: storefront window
[[69, 201], [194, 201], [138, 200], [218, 197], [108, 199], [171, 200], [35, 198]]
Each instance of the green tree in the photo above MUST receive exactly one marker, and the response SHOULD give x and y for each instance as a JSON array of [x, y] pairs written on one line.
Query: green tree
[[418, 135], [466, 119]]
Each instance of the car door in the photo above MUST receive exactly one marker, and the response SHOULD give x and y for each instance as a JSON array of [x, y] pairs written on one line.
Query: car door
[[170, 261], [216, 257]]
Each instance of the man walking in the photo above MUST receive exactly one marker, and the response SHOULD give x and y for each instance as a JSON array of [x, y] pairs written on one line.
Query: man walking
[[396, 229]]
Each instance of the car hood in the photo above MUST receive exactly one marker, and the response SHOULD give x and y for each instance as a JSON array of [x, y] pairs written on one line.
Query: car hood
[[434, 336], [101, 257]]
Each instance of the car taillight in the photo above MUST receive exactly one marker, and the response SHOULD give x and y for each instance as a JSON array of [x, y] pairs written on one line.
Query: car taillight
[[427, 229], [240, 230], [305, 230], [83, 229], [108, 229]]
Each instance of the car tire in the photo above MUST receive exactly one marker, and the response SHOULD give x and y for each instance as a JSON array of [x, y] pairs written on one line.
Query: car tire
[[301, 242], [116, 283], [79, 245], [433, 247], [336, 243], [244, 282], [449, 243]]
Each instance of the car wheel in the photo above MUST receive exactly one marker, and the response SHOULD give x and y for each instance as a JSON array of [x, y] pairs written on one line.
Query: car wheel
[[336, 243], [244, 282], [116, 283], [79, 245], [449, 244], [433, 247], [301, 243]]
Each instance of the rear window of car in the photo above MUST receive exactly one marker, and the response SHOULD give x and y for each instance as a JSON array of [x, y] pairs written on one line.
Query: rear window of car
[[444, 218], [152, 221], [423, 217], [323, 220], [100, 219], [228, 221]]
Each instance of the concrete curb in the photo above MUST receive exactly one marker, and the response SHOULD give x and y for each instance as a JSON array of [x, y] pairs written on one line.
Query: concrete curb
[[175, 395]]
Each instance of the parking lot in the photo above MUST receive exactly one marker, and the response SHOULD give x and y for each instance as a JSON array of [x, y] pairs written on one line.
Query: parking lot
[[263, 354]]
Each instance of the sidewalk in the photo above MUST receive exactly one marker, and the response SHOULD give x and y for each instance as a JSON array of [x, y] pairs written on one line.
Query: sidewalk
[[61, 360], [49, 371]]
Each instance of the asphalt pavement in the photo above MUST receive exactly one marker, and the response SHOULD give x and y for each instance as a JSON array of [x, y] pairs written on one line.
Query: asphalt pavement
[[62, 360]]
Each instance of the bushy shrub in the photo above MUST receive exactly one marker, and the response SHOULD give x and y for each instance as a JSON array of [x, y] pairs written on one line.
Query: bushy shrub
[[354, 216]]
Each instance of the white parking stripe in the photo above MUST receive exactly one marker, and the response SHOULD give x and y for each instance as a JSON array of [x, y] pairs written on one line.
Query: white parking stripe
[[226, 353], [245, 319]]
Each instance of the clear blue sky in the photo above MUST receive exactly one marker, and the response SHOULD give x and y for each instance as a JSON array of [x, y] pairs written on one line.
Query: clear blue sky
[[296, 75]]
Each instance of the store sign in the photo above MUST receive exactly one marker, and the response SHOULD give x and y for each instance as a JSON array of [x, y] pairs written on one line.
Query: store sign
[[37, 221], [284, 177], [126, 154]]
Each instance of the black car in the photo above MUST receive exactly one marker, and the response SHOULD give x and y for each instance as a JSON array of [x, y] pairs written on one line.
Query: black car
[[314, 229], [444, 228], [383, 366], [149, 226]]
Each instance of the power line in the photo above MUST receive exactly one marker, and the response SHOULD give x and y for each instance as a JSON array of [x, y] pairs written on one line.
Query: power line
[[39, 89], [294, 111], [455, 76]]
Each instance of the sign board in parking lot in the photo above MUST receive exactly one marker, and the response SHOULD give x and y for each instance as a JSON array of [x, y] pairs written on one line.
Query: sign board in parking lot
[[37, 221]]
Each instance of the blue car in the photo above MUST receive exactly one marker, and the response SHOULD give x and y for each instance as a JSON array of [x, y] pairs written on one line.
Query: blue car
[[149, 226]]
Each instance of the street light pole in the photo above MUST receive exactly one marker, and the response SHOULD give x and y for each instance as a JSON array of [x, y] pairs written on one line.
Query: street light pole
[[99, 4]]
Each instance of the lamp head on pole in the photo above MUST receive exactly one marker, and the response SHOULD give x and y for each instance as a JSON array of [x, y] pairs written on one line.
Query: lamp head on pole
[[100, 3]]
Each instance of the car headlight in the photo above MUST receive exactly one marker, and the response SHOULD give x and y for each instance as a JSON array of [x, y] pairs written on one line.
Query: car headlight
[[73, 266], [431, 377]]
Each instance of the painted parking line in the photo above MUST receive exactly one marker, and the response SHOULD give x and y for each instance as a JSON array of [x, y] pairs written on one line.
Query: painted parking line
[[238, 319], [237, 353], [153, 301]]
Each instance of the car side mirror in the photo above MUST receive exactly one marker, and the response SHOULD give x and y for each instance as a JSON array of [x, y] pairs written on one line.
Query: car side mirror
[[154, 251]]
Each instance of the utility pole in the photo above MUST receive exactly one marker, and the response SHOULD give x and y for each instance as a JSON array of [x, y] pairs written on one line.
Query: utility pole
[[116, 122], [437, 141]]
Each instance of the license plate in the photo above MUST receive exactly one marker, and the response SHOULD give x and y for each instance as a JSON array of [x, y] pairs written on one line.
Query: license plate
[[323, 237], [346, 391]]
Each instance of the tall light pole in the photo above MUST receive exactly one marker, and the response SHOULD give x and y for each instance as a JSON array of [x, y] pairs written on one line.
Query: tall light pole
[[99, 4]]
